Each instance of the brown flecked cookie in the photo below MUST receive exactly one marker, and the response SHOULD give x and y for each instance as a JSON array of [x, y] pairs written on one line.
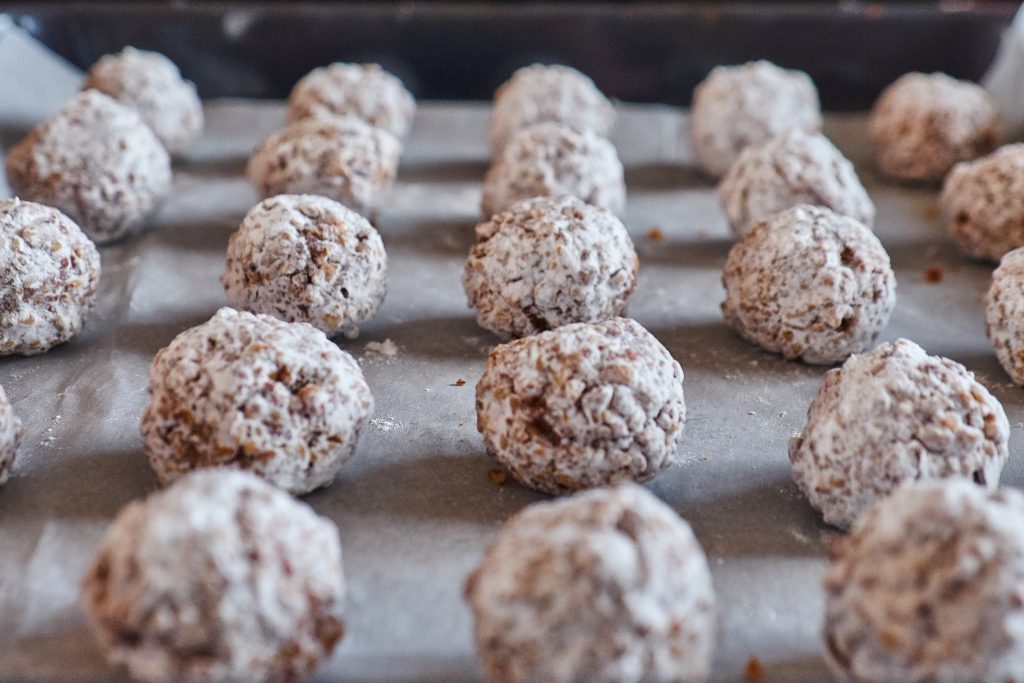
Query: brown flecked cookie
[[220, 577], [584, 405], [304, 258], [254, 392], [151, 84], [809, 284], [922, 124], [927, 588], [10, 437], [749, 104], [794, 168], [96, 161], [983, 200], [550, 159], [365, 91], [557, 93], [608, 585], [892, 416], [343, 158], [547, 262], [1004, 314], [49, 271]]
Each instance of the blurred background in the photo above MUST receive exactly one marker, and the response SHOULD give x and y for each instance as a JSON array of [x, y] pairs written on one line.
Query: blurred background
[[636, 51]]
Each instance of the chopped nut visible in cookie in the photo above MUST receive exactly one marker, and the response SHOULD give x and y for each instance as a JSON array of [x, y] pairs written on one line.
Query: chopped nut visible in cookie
[[151, 84], [304, 258], [810, 284], [342, 158], [982, 202], [254, 392], [1004, 314], [96, 161], [927, 587], [923, 124], [794, 168], [539, 93], [584, 405], [546, 262], [550, 159], [608, 585], [893, 416], [748, 104], [49, 272], [220, 577], [365, 91]]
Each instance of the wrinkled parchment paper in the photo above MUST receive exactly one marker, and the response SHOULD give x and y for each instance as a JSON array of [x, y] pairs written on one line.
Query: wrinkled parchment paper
[[416, 507]]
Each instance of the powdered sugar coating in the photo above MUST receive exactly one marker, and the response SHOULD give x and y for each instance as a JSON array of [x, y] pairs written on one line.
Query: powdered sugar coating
[[550, 159], [928, 588], [892, 416], [584, 405], [221, 577], [365, 91], [344, 159], [304, 258], [608, 585], [49, 271], [547, 262], [96, 161], [809, 284], [251, 391], [749, 104], [151, 84], [10, 437], [539, 93], [922, 124], [983, 200], [1004, 314], [794, 168]]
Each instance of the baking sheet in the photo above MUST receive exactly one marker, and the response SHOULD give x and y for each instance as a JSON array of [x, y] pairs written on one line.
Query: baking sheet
[[416, 507]]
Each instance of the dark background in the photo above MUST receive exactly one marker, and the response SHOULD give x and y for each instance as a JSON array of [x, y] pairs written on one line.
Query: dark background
[[640, 51]]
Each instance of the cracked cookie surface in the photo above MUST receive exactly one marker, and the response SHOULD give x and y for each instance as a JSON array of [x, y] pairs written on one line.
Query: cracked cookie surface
[[254, 392], [893, 416], [584, 405], [608, 585]]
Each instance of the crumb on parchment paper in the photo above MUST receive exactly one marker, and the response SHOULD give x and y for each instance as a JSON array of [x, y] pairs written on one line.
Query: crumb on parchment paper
[[754, 670], [933, 274], [458, 383]]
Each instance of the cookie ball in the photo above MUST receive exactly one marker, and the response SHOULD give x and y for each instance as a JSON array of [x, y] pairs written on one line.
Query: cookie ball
[[10, 437], [794, 168], [1004, 314], [547, 262], [49, 271], [151, 84], [96, 161], [891, 416], [365, 91], [608, 585], [983, 200], [749, 104], [540, 93], [304, 258], [584, 405], [550, 159], [250, 391], [221, 577], [922, 124], [344, 159], [809, 284], [928, 588]]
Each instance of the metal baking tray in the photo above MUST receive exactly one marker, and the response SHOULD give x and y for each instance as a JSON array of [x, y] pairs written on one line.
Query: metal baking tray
[[416, 507]]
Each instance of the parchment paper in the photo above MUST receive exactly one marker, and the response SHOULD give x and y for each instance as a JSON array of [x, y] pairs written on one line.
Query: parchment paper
[[416, 507]]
